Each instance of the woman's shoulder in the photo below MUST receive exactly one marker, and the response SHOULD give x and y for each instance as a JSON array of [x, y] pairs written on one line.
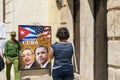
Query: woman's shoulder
[[55, 43]]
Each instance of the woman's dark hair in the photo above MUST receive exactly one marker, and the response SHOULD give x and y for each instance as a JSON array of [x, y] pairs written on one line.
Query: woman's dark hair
[[62, 33]]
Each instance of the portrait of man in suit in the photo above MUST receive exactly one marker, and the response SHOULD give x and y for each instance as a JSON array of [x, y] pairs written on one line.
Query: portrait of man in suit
[[28, 59], [34, 56], [42, 56]]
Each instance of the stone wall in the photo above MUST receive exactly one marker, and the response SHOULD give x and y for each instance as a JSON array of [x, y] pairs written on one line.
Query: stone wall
[[54, 18], [25, 12], [113, 23], [86, 34], [67, 16], [1, 11]]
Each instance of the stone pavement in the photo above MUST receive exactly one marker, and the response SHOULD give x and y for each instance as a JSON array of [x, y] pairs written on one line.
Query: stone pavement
[[2, 75]]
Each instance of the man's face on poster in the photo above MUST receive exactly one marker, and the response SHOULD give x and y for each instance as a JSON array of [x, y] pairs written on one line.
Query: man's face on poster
[[27, 57], [41, 55]]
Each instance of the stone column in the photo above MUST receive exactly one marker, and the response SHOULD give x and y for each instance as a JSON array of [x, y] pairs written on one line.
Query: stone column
[[86, 40]]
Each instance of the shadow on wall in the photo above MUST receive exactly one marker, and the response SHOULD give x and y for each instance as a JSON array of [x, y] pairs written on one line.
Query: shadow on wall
[[70, 5], [91, 6]]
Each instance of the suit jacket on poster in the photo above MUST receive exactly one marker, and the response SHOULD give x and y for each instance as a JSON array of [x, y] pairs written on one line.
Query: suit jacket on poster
[[48, 65], [35, 65]]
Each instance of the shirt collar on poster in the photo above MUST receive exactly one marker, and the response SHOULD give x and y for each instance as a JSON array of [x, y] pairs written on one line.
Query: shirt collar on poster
[[28, 67], [44, 66]]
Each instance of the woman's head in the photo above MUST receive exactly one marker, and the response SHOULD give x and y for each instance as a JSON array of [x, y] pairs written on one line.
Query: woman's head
[[62, 33]]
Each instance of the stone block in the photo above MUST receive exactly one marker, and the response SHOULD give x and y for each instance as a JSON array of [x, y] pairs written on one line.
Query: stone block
[[111, 74], [110, 23], [117, 74], [114, 53], [117, 22], [113, 4]]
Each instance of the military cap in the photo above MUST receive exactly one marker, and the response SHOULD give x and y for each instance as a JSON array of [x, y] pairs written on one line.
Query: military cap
[[12, 33]]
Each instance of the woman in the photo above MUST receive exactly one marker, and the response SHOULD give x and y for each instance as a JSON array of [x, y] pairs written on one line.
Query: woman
[[62, 52]]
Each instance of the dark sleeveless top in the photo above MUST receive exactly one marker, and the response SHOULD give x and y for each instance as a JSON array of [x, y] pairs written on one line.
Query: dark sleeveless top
[[63, 54]]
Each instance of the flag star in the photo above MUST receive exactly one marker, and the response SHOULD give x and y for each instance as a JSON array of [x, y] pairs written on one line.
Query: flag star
[[22, 32]]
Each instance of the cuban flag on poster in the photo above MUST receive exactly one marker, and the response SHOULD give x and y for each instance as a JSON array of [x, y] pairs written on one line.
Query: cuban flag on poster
[[27, 32]]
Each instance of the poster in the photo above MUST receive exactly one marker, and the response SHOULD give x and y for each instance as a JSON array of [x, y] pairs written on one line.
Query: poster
[[35, 46]]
